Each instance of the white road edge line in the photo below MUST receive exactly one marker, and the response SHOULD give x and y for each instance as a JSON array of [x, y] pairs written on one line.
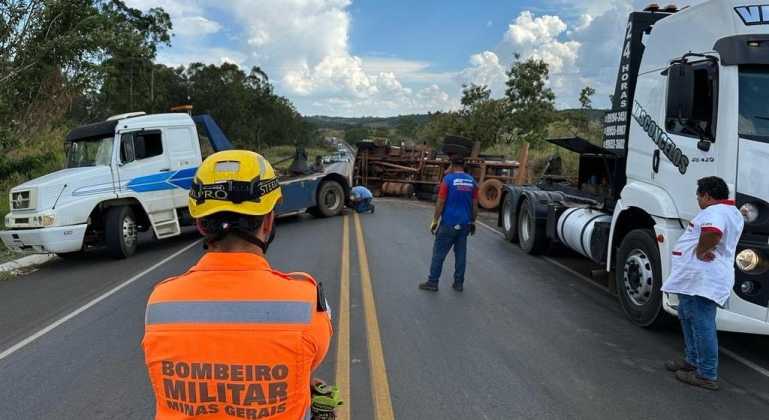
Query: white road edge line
[[725, 351], [76, 312], [744, 361]]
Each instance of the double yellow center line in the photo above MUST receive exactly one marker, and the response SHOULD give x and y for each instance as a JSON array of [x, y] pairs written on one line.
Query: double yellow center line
[[380, 388]]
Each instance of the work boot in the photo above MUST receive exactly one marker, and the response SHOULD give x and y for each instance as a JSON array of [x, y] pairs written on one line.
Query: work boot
[[694, 378], [458, 287], [428, 286], [676, 365]]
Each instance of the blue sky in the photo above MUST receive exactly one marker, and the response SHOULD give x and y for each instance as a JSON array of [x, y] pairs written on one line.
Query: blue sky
[[383, 58]]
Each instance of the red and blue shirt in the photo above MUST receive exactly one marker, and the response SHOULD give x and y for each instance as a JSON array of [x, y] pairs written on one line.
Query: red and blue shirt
[[459, 190]]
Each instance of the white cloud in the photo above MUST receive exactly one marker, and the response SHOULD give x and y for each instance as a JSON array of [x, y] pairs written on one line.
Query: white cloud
[[195, 26], [538, 38], [186, 16], [527, 30], [485, 70], [304, 46], [183, 56]]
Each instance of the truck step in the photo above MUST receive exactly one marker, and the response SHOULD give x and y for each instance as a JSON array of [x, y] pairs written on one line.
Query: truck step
[[165, 223]]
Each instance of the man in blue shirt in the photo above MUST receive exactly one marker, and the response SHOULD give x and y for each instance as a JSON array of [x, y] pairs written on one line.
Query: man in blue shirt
[[457, 207], [361, 198]]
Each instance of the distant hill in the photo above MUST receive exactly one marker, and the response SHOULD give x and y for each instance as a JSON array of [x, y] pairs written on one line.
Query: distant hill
[[339, 123]]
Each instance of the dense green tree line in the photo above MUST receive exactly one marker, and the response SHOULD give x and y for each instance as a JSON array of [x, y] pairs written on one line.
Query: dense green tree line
[[65, 63]]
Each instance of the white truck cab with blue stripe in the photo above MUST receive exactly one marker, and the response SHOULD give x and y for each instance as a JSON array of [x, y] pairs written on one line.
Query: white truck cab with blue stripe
[[128, 174], [131, 174], [690, 102]]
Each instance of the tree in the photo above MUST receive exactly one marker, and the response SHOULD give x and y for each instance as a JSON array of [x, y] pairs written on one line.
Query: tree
[[354, 133], [439, 124], [472, 95], [406, 127], [584, 97], [530, 100], [52, 50], [381, 131], [583, 121]]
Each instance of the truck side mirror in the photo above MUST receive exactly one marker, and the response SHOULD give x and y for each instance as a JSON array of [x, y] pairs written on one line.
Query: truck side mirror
[[680, 92]]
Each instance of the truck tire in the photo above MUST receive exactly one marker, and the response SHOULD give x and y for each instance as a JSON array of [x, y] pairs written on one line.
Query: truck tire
[[508, 219], [454, 149], [330, 198], [639, 278], [120, 232], [489, 193], [532, 237], [459, 141]]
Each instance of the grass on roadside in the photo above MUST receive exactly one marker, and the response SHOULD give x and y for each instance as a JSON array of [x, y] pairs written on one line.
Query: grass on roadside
[[9, 274]]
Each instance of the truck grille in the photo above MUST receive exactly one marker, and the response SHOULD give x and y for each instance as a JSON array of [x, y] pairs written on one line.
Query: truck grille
[[22, 200]]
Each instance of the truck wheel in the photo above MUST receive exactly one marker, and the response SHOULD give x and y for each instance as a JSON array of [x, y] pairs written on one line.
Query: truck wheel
[[330, 198], [532, 237], [120, 232], [508, 221], [639, 278], [453, 148], [459, 141], [489, 192]]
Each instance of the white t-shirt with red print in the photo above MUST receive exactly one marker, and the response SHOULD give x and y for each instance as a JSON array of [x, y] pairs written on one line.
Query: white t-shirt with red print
[[710, 279]]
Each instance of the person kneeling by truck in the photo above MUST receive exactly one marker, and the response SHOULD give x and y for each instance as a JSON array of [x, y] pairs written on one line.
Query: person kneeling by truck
[[361, 198]]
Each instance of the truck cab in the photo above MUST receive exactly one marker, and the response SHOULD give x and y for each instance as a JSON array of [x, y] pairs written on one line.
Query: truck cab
[[122, 176], [131, 174], [689, 103]]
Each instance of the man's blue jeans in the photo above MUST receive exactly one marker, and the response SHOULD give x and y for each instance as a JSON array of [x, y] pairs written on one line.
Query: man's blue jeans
[[364, 205], [698, 320], [445, 238]]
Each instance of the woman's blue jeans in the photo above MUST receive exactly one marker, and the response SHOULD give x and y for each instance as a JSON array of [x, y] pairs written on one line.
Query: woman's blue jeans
[[698, 320], [445, 238]]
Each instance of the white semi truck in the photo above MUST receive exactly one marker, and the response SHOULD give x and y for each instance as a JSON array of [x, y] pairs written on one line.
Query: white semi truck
[[691, 100], [132, 174]]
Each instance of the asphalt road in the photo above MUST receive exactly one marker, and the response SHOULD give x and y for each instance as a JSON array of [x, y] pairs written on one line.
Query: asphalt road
[[525, 340]]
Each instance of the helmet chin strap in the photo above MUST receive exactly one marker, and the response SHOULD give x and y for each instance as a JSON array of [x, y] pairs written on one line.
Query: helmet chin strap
[[254, 240], [220, 229]]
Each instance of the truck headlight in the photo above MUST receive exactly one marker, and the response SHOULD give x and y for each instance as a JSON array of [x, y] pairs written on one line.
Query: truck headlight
[[748, 260], [749, 212], [48, 219]]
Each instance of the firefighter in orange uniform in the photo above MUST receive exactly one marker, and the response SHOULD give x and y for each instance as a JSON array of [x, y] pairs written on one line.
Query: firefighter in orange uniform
[[232, 338]]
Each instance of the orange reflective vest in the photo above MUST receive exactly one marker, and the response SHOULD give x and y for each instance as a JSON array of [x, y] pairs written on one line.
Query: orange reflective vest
[[232, 338]]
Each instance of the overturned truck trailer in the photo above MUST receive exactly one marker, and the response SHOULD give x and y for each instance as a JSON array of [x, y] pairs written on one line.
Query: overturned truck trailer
[[406, 171]]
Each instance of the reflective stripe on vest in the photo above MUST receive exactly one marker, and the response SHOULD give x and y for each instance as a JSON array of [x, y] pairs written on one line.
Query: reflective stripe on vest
[[229, 312]]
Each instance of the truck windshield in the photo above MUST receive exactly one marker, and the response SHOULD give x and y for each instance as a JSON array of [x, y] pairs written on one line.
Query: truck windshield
[[754, 108], [95, 152]]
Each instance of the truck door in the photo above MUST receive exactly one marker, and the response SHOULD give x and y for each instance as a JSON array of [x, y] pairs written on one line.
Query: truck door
[[144, 169], [690, 151], [185, 158]]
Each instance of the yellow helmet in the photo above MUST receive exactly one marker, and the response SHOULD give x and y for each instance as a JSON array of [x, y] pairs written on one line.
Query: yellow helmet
[[238, 181]]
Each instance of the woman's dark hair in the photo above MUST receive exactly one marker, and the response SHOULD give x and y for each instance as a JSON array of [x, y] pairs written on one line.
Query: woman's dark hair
[[713, 186]]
